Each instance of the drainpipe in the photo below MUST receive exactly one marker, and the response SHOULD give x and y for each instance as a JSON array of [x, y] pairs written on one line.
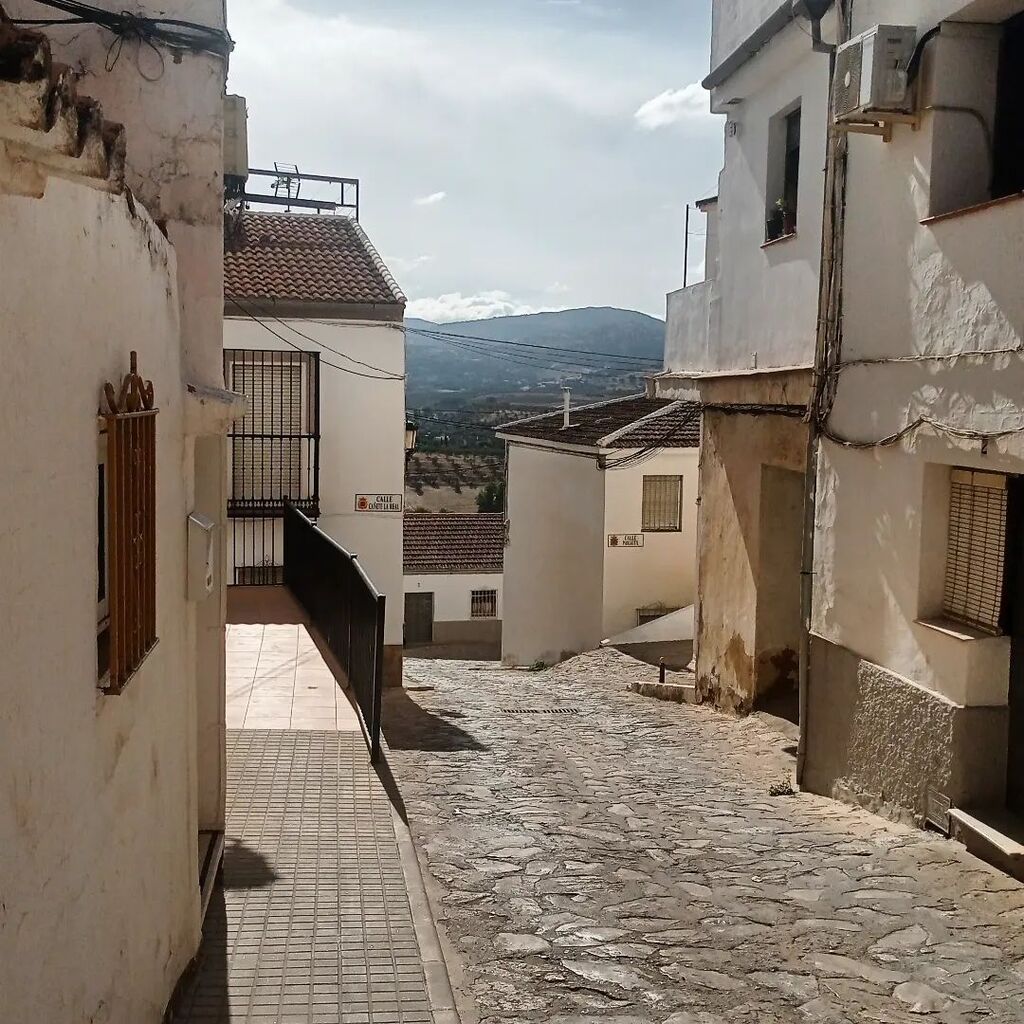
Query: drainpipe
[[827, 310]]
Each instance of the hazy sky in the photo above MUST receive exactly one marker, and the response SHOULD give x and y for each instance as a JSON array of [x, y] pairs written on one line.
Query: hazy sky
[[514, 155]]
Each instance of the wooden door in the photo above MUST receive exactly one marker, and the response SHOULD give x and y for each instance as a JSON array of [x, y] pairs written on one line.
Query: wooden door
[[419, 619]]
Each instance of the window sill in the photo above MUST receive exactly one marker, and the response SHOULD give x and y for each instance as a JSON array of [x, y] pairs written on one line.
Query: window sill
[[778, 241], [965, 211], [957, 630]]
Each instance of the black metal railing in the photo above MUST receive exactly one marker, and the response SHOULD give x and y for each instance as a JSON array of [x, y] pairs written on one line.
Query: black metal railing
[[346, 609]]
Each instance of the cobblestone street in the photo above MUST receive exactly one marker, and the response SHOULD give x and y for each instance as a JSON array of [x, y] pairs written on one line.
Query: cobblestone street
[[599, 856]]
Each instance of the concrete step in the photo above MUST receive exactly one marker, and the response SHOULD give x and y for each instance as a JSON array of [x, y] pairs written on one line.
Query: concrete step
[[993, 834], [676, 691]]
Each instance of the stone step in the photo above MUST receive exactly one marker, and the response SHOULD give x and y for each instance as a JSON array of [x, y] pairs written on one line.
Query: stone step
[[678, 692], [995, 835]]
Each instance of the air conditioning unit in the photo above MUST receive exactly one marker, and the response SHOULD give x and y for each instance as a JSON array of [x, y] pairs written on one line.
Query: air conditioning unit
[[871, 74]]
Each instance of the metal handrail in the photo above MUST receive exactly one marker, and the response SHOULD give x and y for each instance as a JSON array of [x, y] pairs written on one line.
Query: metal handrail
[[345, 607]]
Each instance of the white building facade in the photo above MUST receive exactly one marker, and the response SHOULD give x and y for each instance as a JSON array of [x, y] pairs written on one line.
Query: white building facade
[[112, 734], [601, 524], [916, 690], [742, 343], [453, 584], [313, 335]]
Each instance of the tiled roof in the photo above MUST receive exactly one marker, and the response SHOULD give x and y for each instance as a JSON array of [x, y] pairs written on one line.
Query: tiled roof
[[635, 422], [294, 257], [441, 542]]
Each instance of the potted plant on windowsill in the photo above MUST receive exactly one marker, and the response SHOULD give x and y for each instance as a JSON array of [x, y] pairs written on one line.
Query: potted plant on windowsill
[[781, 221]]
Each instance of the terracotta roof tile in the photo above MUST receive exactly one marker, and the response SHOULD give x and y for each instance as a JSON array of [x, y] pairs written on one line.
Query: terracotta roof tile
[[294, 257], [443, 542], [636, 422]]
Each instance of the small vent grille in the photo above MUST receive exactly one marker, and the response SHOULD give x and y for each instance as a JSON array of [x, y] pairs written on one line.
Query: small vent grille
[[541, 711], [849, 64]]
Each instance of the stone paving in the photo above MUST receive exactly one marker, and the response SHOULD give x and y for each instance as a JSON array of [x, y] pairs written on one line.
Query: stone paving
[[600, 856]]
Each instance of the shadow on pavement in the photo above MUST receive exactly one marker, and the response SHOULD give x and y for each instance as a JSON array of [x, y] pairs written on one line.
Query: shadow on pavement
[[407, 726]]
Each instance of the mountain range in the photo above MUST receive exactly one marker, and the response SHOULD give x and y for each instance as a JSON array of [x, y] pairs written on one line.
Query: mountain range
[[457, 365]]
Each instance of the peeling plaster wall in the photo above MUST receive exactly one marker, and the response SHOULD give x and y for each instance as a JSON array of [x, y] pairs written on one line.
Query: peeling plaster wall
[[362, 427], [554, 561], [921, 289], [175, 153], [664, 570], [99, 909], [731, 522]]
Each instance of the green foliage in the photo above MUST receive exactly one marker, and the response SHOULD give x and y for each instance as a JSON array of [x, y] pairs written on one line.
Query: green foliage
[[491, 497]]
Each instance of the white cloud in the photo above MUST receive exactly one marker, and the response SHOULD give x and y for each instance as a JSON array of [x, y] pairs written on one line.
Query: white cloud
[[557, 288], [456, 306], [673, 106], [407, 264], [432, 200]]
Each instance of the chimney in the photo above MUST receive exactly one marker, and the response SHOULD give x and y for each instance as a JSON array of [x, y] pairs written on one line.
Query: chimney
[[566, 394]]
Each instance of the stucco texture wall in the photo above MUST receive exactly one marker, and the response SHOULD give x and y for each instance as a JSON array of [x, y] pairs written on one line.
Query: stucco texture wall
[[664, 570], [97, 801], [554, 562], [737, 532], [362, 448], [878, 740]]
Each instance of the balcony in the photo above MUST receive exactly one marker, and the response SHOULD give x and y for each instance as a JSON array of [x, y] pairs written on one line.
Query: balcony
[[688, 330]]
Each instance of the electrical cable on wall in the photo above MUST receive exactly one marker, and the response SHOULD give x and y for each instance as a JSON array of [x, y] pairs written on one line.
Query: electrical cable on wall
[[153, 33]]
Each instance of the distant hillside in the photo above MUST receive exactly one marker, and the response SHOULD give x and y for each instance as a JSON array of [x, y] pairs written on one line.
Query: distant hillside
[[460, 372]]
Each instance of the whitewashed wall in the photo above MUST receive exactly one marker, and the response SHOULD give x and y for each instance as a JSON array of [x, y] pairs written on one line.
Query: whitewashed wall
[[452, 592], [554, 561], [924, 289], [663, 571], [734, 21], [362, 449], [99, 825], [767, 293]]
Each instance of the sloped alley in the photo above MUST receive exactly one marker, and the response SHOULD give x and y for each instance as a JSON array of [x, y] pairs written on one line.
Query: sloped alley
[[598, 856]]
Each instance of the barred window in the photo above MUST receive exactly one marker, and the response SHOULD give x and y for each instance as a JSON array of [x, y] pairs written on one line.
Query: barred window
[[483, 604], [662, 504], [976, 549], [126, 532], [274, 447], [258, 575]]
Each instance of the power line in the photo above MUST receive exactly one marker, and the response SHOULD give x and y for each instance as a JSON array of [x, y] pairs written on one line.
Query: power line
[[439, 335], [323, 362]]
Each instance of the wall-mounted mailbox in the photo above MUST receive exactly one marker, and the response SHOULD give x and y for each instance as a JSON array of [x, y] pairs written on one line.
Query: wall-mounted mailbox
[[200, 556]]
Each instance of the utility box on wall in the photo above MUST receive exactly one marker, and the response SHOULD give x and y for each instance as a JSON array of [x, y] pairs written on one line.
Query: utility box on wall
[[200, 556]]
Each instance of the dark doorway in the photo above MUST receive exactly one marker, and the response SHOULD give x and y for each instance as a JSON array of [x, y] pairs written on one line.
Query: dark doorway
[[419, 619], [1015, 627]]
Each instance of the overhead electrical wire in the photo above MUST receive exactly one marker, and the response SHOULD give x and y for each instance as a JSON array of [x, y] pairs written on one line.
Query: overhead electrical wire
[[323, 362]]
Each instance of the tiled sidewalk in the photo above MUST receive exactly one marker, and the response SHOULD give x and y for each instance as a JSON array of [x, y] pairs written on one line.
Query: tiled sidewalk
[[277, 679], [313, 925]]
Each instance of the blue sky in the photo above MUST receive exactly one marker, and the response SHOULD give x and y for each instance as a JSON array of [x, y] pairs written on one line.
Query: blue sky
[[514, 155]]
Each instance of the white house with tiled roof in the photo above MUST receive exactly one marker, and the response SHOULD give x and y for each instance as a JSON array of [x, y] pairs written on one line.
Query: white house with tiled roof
[[601, 523], [453, 583], [313, 336]]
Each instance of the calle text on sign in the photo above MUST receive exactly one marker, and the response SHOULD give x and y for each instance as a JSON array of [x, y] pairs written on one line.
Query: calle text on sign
[[379, 502], [625, 540]]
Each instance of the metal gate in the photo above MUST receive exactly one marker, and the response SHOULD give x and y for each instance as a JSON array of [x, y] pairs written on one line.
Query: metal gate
[[274, 456]]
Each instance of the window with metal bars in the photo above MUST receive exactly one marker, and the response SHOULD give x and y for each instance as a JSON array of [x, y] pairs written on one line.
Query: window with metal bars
[[662, 504], [483, 604], [274, 448], [126, 532], [259, 575], [976, 549]]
